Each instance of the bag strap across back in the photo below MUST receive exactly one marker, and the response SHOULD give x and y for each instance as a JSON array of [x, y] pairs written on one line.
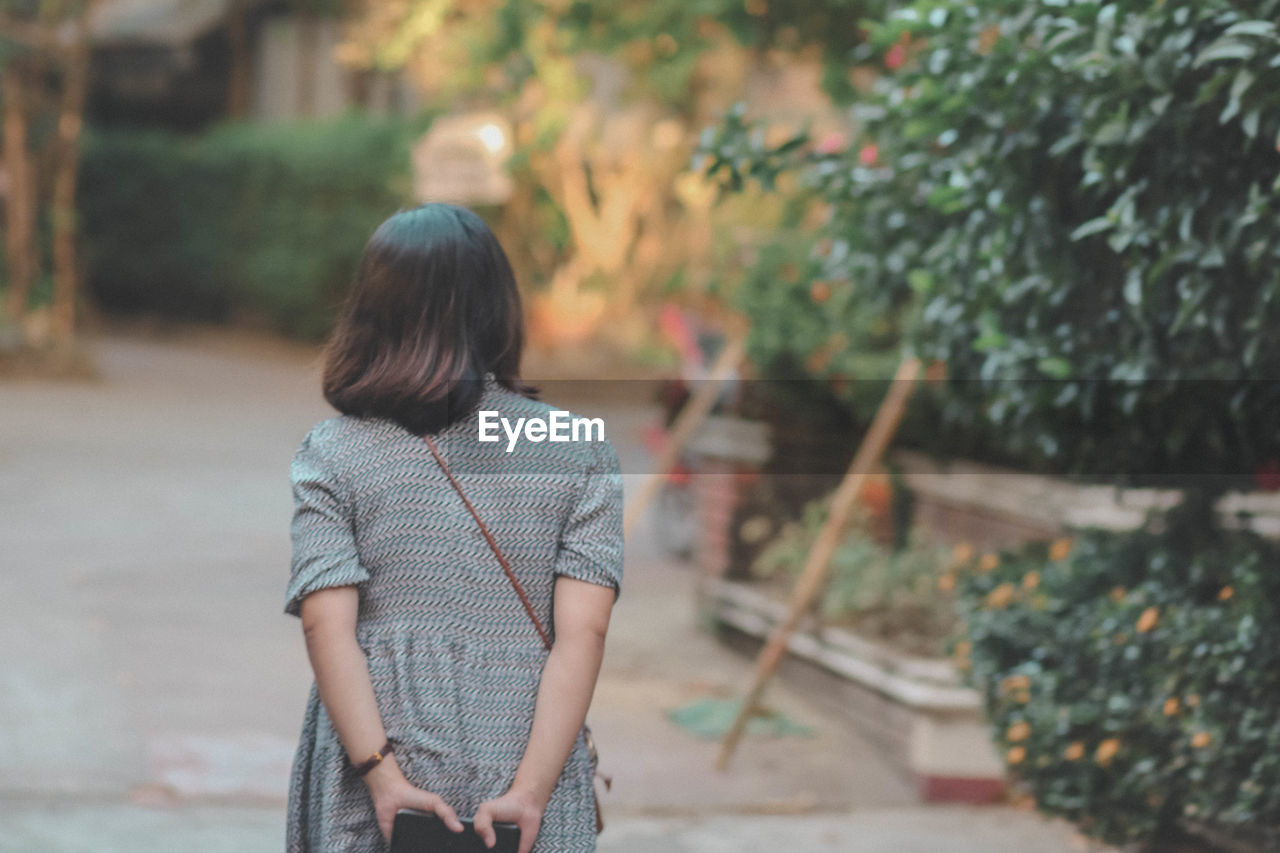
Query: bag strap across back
[[493, 545], [528, 608]]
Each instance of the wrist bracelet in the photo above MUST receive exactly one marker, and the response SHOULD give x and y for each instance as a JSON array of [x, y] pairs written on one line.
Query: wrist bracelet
[[374, 760]]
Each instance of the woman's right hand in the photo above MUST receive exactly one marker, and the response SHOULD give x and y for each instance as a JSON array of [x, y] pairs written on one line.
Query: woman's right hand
[[391, 792]]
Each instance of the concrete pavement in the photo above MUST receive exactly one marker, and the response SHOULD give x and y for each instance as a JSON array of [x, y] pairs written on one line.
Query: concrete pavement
[[94, 829], [151, 689]]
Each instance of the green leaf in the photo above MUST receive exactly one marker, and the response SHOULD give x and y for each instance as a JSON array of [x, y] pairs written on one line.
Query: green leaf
[[1055, 367], [792, 144], [1249, 124], [1251, 28], [1133, 288], [1225, 50], [921, 281], [1244, 79], [1093, 226]]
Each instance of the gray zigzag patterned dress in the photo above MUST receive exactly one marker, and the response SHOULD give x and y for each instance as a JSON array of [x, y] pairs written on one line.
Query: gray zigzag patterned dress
[[454, 659]]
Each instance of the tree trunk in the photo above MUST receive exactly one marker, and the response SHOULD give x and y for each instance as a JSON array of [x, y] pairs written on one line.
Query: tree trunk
[[20, 214], [66, 272], [240, 78], [308, 48]]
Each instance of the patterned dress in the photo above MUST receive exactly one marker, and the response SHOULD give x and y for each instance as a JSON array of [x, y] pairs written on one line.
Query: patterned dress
[[454, 659]]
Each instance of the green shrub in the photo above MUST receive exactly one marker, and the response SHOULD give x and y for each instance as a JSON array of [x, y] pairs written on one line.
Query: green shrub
[[1072, 204], [155, 226], [886, 593], [258, 221], [1134, 682]]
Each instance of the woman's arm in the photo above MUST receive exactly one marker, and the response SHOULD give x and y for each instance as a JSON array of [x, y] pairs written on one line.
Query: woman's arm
[[342, 678], [582, 613]]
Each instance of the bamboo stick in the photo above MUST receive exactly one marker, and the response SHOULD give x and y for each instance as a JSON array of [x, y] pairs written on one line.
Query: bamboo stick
[[818, 562], [691, 416]]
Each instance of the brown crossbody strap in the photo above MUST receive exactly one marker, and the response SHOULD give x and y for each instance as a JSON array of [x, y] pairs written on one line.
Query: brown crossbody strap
[[528, 608], [493, 545]]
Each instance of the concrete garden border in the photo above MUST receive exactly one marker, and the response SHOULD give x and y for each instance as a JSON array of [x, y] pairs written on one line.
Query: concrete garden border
[[993, 506], [930, 723]]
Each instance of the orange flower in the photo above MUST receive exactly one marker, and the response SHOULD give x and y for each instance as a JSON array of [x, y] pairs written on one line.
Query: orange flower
[[1193, 700], [1017, 732], [820, 291], [1031, 580], [1074, 752], [1107, 750], [947, 582], [987, 39], [1015, 682], [1118, 594], [1000, 596], [962, 553], [1225, 593], [988, 562], [818, 360], [1016, 755], [1148, 620], [1201, 739], [1171, 706], [1060, 549]]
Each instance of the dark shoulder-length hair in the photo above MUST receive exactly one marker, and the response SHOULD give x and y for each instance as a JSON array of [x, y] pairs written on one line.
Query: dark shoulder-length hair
[[433, 309]]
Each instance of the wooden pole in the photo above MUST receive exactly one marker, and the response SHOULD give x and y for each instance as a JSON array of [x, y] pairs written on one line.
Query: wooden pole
[[66, 270], [240, 77], [818, 562], [20, 207], [691, 416]]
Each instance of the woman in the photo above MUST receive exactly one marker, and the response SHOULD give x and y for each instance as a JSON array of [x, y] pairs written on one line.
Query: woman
[[433, 688]]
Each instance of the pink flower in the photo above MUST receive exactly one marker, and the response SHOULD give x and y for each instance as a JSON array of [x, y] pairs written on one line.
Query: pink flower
[[895, 56], [1267, 477], [832, 143], [869, 154]]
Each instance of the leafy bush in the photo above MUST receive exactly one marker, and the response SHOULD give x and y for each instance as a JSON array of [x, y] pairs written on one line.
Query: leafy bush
[[1072, 204], [1133, 680], [154, 221], [266, 221], [887, 593]]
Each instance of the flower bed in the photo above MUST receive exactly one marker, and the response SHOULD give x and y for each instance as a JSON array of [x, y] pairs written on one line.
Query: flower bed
[[916, 707]]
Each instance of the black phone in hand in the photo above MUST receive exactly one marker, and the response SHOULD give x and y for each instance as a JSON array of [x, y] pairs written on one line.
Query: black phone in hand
[[425, 832]]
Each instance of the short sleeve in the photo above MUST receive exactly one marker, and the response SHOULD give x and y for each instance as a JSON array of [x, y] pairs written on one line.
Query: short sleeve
[[591, 543], [324, 547]]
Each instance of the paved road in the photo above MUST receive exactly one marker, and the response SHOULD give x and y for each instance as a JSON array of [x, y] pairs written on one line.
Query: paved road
[[151, 689]]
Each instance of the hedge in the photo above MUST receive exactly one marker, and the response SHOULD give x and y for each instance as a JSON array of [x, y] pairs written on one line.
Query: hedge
[[1072, 204], [263, 222], [1133, 680]]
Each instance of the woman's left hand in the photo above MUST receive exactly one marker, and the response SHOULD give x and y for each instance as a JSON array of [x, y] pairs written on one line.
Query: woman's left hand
[[519, 807]]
